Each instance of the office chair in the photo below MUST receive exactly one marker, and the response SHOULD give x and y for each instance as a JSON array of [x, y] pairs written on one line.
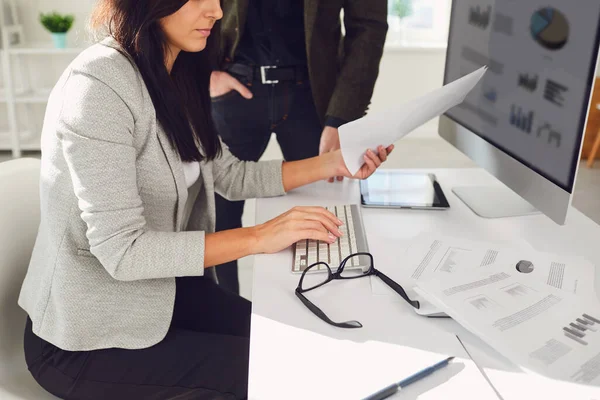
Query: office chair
[[19, 220]]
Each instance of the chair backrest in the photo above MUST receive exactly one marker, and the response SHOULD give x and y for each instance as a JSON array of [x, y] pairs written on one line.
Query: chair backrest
[[19, 222]]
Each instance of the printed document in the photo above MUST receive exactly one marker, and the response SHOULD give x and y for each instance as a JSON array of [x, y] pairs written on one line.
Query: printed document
[[436, 257], [387, 127], [439, 256], [544, 329]]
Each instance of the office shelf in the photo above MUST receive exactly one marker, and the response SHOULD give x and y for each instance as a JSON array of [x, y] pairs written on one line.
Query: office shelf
[[37, 96], [15, 54], [42, 49], [27, 141]]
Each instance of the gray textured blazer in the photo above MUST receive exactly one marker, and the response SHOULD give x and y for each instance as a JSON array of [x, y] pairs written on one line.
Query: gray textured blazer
[[113, 191]]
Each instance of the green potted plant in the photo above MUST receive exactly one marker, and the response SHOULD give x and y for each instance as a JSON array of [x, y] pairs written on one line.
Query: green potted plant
[[401, 8], [398, 10], [58, 25]]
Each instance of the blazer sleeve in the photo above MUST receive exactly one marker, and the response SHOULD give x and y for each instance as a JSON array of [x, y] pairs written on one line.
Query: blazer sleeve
[[366, 28], [96, 128], [241, 180]]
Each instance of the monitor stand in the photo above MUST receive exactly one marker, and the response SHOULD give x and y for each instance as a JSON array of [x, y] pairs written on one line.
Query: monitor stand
[[494, 201]]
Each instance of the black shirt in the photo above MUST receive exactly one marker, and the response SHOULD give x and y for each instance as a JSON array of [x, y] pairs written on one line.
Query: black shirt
[[274, 34]]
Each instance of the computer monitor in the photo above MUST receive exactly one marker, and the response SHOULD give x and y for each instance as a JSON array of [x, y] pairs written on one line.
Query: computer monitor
[[524, 122]]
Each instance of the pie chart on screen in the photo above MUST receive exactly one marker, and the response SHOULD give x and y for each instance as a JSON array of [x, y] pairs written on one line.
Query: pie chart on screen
[[550, 28]]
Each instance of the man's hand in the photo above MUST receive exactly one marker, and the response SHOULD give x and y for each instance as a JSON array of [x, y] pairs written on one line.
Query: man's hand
[[372, 162], [222, 83], [330, 141]]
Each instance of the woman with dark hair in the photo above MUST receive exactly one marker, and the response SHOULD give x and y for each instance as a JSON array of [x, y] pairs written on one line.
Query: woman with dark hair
[[118, 304]]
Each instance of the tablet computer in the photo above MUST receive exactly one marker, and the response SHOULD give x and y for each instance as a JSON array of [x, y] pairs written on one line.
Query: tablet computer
[[400, 189]]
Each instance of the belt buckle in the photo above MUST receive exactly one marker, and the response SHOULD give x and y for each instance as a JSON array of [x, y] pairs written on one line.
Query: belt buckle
[[263, 74]]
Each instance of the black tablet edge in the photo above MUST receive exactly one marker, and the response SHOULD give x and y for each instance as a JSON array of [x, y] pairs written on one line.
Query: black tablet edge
[[443, 201]]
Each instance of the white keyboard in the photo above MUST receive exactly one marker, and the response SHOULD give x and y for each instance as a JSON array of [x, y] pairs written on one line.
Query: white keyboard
[[353, 240]]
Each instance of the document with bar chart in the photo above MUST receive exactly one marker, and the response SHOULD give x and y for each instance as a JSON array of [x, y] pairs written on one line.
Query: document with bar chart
[[431, 256], [537, 326]]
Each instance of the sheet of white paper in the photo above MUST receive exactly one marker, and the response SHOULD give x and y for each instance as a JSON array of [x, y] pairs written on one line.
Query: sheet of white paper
[[572, 274], [387, 127], [544, 329], [431, 257], [353, 369], [427, 255], [444, 255]]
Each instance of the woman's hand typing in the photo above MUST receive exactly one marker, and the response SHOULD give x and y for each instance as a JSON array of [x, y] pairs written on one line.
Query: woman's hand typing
[[299, 223], [296, 224]]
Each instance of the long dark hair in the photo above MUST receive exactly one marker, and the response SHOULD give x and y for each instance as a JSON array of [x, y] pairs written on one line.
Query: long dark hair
[[181, 99]]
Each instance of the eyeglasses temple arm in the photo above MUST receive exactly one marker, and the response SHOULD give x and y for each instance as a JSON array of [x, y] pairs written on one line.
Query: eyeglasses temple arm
[[319, 313], [398, 289]]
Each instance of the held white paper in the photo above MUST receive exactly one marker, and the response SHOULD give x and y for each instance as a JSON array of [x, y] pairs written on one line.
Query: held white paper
[[544, 329], [387, 127]]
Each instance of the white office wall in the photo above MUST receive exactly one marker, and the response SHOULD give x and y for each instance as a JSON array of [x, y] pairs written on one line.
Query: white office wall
[[404, 75]]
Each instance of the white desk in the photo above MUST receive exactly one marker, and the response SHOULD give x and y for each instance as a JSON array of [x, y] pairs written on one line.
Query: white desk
[[295, 355]]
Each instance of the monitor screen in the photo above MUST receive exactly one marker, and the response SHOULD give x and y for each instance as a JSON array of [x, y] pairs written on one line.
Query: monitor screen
[[533, 101]]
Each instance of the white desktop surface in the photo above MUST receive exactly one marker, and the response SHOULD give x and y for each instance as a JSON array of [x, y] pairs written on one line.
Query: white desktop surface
[[295, 355]]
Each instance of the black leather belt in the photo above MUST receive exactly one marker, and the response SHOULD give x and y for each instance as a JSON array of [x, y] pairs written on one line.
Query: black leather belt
[[269, 75]]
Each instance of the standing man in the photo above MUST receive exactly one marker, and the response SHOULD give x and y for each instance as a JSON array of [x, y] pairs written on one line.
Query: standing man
[[286, 68]]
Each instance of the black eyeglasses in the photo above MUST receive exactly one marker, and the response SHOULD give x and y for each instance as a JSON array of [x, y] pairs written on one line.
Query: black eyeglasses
[[317, 279]]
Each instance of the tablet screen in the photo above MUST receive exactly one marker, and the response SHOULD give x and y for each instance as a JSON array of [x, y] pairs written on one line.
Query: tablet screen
[[401, 189]]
